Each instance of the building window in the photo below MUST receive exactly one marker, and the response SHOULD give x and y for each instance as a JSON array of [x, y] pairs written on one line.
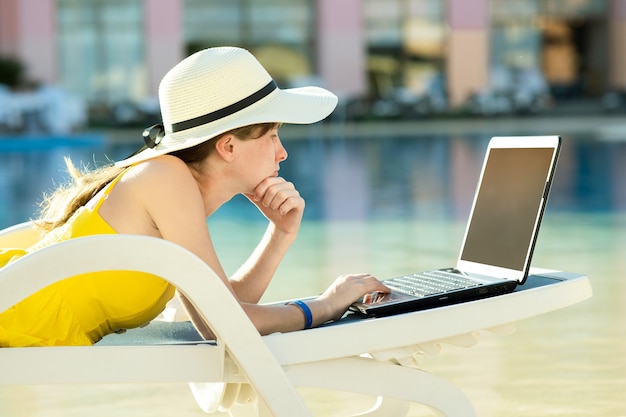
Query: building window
[[515, 39], [562, 40], [405, 43], [278, 32], [101, 49]]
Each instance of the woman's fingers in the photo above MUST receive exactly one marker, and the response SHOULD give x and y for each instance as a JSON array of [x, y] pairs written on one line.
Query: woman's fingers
[[277, 194]]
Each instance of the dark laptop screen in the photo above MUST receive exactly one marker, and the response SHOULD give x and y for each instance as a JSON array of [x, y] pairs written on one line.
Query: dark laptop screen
[[507, 207]]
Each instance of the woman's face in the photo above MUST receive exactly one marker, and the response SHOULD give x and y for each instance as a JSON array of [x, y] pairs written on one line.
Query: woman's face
[[261, 157]]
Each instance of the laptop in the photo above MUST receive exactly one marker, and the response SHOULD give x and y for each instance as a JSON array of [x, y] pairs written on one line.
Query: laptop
[[497, 248]]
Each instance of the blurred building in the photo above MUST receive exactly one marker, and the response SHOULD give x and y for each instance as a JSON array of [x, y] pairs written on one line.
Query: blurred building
[[115, 51]]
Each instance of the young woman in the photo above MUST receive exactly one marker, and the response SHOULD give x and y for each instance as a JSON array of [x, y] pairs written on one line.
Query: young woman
[[221, 113]]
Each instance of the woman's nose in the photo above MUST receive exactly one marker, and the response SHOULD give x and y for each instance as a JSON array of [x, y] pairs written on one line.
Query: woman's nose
[[281, 152]]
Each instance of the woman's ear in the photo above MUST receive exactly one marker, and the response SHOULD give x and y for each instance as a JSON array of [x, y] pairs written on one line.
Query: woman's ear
[[225, 147]]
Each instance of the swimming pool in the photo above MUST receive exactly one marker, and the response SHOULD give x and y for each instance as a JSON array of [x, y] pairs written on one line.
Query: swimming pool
[[388, 205]]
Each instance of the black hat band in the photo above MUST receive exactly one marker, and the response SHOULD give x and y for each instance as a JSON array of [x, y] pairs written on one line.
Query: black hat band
[[223, 112]]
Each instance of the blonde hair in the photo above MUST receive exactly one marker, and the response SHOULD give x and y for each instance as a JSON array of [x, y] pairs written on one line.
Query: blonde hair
[[57, 208]]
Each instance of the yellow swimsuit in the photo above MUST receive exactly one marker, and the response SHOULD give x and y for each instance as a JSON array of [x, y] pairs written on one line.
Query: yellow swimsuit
[[82, 309]]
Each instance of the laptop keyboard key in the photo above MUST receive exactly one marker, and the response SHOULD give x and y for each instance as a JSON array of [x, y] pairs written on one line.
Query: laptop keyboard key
[[429, 283]]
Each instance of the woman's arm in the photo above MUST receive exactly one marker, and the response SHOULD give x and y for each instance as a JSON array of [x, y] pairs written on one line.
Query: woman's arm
[[281, 204], [331, 305], [253, 277]]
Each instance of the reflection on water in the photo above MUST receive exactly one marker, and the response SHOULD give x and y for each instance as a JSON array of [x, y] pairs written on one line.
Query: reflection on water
[[356, 179], [389, 206]]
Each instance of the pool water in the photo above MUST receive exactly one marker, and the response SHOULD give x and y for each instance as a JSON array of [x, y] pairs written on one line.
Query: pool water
[[391, 205]]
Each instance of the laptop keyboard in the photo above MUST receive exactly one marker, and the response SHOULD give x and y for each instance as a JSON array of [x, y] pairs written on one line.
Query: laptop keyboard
[[422, 284]]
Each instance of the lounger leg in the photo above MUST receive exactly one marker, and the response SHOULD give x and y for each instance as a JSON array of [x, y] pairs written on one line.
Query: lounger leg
[[370, 377], [241, 400], [255, 408], [245, 410], [386, 407]]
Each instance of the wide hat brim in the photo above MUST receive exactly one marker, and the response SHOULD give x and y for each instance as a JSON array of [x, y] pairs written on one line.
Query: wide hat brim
[[303, 105]]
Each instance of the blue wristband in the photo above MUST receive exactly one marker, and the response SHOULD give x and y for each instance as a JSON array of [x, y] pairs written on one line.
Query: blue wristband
[[308, 317]]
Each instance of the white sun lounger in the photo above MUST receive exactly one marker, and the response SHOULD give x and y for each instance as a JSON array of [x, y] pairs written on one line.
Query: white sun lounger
[[260, 373]]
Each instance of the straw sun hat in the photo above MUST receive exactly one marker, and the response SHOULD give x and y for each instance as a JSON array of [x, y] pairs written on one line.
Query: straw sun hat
[[219, 89]]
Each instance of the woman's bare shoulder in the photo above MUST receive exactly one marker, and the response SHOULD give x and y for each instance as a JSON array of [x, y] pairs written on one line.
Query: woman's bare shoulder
[[151, 195], [164, 180], [165, 168]]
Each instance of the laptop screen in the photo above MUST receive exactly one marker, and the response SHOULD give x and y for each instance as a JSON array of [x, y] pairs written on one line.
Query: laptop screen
[[508, 207]]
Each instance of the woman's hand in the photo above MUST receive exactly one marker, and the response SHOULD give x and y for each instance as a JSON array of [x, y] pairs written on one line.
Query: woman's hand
[[347, 289], [280, 203]]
